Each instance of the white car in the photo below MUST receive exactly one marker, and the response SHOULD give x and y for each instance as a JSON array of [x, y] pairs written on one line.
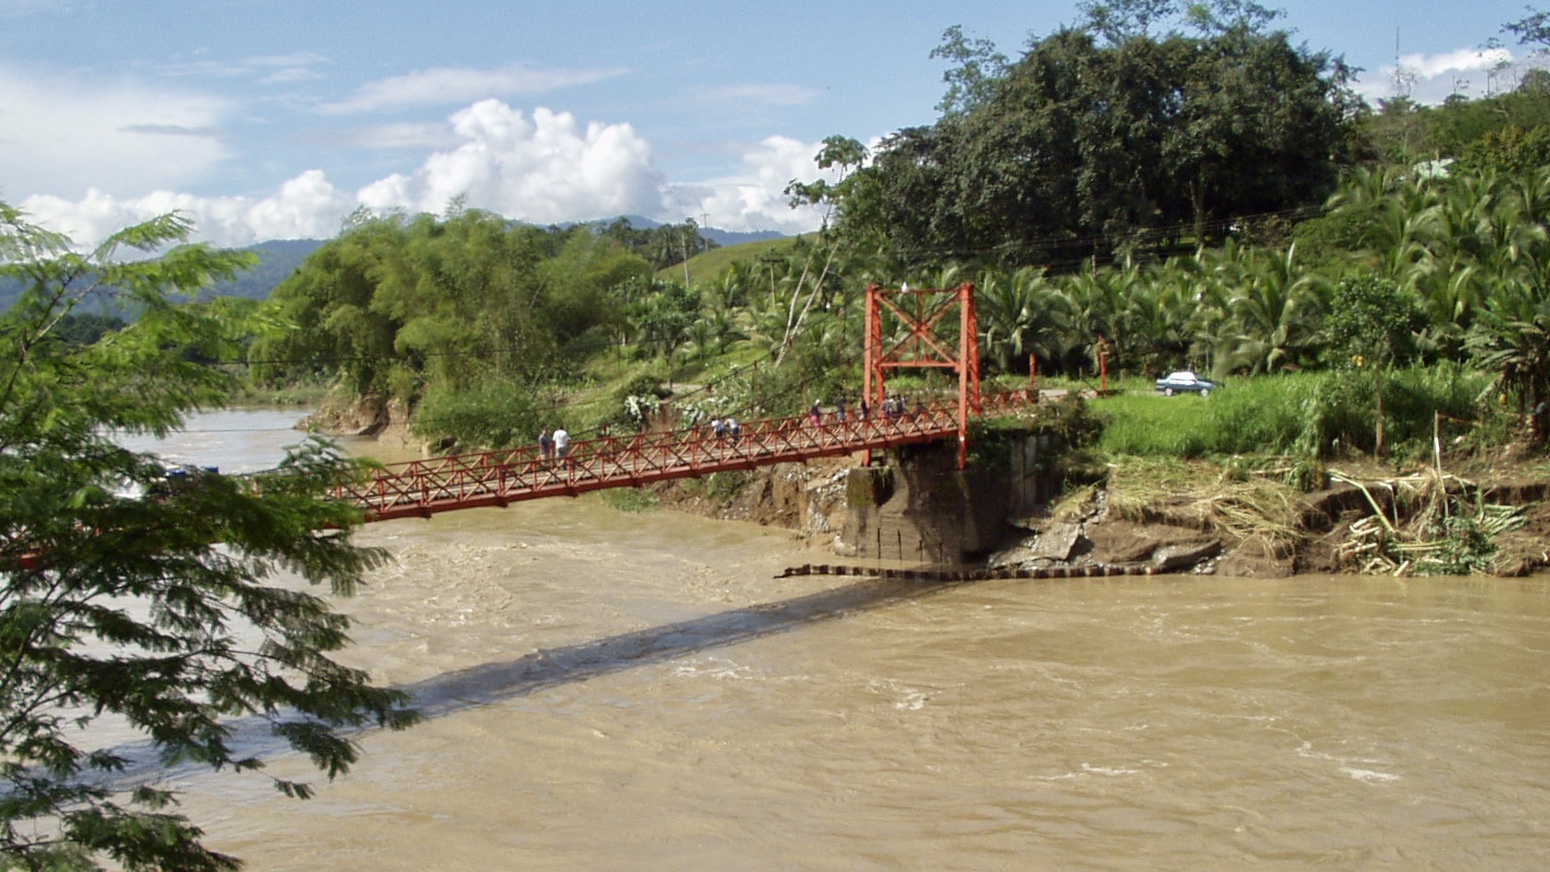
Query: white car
[[1185, 382]]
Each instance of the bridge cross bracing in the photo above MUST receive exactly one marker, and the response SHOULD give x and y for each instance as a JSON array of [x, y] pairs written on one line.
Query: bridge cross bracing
[[421, 488]]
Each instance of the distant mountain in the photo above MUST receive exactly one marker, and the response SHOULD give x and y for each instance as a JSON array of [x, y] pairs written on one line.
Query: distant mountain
[[277, 259], [733, 237]]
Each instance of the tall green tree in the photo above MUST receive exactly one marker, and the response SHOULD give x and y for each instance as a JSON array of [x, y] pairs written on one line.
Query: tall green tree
[[325, 322], [1260, 127], [972, 79], [1104, 141], [664, 318], [171, 610], [1371, 325]]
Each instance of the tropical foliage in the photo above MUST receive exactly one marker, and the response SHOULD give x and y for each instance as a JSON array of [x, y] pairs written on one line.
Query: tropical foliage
[[1106, 138], [423, 309]]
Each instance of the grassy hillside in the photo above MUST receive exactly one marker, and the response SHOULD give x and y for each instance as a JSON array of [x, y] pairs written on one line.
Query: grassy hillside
[[708, 268]]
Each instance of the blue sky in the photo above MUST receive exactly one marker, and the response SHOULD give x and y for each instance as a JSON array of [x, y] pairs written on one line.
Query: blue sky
[[265, 119]]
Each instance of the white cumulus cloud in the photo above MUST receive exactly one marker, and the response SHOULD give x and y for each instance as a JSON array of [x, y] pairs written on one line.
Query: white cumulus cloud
[[1461, 61], [544, 168], [305, 207], [755, 199], [547, 169], [1430, 79]]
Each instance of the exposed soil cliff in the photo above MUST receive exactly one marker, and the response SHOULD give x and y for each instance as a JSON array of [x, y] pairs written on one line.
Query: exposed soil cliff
[[930, 514], [375, 416]]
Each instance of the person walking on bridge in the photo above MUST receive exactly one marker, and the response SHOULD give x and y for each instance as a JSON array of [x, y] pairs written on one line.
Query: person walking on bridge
[[561, 442], [545, 446]]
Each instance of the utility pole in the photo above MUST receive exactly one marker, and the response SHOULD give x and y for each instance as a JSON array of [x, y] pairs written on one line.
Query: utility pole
[[683, 242]]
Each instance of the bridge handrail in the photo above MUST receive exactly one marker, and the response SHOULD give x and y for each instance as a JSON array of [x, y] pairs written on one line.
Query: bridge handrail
[[492, 477]]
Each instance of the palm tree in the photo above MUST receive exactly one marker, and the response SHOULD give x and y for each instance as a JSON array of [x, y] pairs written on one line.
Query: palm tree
[[1512, 339], [1020, 315], [1275, 313], [1394, 212], [1449, 292], [1097, 302], [1157, 321]]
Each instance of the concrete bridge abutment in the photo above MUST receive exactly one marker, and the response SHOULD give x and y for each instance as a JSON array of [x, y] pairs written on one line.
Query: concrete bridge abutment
[[921, 508]]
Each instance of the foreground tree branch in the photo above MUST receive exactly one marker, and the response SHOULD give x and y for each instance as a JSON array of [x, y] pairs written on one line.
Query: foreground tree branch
[[171, 608]]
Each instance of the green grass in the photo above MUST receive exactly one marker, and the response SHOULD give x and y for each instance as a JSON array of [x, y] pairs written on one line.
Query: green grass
[[1142, 425], [708, 268], [1265, 415], [692, 369], [1314, 414]]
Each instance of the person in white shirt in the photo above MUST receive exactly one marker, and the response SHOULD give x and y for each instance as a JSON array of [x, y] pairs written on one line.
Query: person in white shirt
[[561, 442]]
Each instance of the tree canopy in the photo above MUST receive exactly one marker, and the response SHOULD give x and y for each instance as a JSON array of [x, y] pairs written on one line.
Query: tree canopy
[[1103, 139], [429, 308]]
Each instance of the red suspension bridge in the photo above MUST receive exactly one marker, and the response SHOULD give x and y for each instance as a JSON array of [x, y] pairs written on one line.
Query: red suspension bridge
[[904, 329], [421, 488]]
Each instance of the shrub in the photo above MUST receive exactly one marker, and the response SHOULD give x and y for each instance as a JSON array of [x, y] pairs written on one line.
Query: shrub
[[634, 403], [490, 415]]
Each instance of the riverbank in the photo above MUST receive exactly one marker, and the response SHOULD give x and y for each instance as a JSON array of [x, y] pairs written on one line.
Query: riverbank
[[1219, 519], [1232, 518]]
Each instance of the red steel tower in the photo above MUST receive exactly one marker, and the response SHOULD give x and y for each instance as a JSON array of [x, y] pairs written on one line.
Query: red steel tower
[[909, 328]]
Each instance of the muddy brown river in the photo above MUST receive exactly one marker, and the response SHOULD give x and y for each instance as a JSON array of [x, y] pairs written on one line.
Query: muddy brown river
[[608, 690]]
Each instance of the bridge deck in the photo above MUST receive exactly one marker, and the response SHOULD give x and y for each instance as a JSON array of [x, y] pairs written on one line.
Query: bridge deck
[[421, 488]]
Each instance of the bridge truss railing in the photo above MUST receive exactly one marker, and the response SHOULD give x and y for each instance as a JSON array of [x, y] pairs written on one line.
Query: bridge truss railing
[[424, 487]]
